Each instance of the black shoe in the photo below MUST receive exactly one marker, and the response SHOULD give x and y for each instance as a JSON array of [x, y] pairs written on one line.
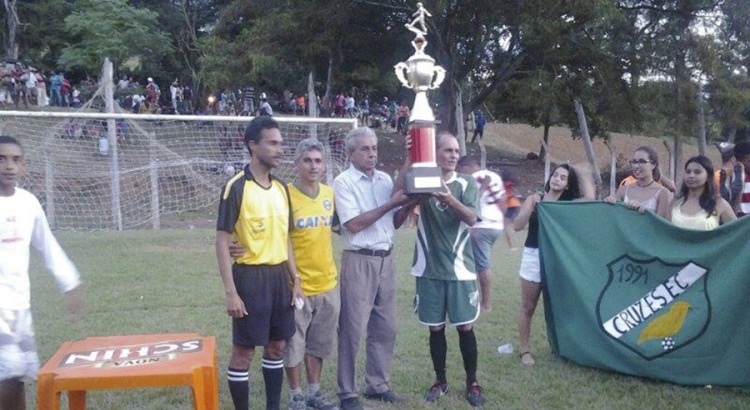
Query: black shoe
[[436, 391], [387, 396], [474, 394], [352, 403]]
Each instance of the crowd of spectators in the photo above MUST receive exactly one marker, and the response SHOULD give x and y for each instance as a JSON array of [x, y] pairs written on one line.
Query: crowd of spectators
[[22, 84]]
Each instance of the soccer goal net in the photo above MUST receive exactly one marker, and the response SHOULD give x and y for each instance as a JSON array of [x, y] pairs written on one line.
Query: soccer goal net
[[96, 171]]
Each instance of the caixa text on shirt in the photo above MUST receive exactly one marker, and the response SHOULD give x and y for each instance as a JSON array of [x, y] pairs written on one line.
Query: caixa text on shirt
[[136, 355], [313, 221]]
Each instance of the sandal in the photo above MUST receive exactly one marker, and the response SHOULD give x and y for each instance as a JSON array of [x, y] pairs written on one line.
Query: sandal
[[526, 358]]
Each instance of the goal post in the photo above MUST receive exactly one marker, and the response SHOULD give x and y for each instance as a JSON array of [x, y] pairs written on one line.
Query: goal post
[[112, 171]]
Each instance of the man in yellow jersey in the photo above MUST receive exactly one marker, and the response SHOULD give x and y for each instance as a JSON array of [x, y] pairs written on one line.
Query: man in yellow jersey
[[317, 320], [262, 284]]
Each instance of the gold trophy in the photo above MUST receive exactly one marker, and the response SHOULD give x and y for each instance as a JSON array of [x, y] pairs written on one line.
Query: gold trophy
[[421, 74]]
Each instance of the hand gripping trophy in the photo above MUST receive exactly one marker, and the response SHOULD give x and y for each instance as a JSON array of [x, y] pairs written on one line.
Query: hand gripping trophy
[[421, 74]]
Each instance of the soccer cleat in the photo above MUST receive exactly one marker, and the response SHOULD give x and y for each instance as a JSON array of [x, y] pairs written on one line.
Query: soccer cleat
[[437, 390], [474, 394], [297, 402], [320, 402]]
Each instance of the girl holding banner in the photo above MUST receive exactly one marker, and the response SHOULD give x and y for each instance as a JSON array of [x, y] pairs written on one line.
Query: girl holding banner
[[696, 205], [562, 185], [646, 193]]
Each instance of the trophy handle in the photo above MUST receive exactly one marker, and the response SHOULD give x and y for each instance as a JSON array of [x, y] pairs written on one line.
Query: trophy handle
[[400, 68], [439, 77]]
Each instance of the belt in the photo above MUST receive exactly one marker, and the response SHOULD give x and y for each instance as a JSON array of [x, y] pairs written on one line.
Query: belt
[[371, 252]]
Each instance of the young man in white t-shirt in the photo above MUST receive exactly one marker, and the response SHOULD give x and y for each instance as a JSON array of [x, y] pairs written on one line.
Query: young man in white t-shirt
[[490, 225], [23, 223]]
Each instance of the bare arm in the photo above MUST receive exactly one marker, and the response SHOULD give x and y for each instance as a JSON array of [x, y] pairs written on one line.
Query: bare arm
[[522, 219], [725, 211], [292, 262], [403, 214], [663, 204], [235, 306], [464, 213], [364, 220], [619, 196], [667, 183]]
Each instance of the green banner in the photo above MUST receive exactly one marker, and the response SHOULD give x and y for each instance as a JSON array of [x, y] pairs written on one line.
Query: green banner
[[631, 293]]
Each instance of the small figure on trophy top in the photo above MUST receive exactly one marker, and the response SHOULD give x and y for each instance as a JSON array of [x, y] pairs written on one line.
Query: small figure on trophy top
[[419, 16]]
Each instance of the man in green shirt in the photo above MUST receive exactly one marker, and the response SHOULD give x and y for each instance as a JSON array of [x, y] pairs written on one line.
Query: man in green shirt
[[444, 268]]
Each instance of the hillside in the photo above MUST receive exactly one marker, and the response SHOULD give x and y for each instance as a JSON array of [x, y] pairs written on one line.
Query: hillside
[[508, 145]]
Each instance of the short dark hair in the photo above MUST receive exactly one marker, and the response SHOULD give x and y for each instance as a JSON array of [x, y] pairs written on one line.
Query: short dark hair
[[468, 161], [256, 127], [6, 139], [742, 150]]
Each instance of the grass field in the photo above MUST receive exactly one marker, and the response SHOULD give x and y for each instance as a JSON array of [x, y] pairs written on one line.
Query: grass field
[[140, 282]]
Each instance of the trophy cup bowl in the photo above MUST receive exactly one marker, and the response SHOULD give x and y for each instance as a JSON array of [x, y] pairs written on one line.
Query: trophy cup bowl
[[421, 74]]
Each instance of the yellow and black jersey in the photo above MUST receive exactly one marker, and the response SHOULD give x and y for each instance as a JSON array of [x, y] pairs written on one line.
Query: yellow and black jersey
[[259, 217]]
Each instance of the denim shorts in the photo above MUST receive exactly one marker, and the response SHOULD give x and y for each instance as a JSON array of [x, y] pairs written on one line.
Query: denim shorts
[[482, 240]]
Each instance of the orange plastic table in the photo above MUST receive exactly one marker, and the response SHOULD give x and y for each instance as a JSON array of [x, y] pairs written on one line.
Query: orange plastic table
[[121, 362]]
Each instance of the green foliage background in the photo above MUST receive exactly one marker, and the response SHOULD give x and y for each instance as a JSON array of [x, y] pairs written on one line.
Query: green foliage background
[[636, 65]]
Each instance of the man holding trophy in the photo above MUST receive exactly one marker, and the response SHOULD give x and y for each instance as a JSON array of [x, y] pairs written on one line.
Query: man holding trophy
[[443, 264]]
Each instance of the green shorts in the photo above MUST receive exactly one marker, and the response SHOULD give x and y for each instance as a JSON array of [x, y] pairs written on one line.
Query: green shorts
[[458, 298]]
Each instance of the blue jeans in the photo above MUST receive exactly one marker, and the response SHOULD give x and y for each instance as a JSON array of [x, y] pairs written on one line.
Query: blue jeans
[[55, 98]]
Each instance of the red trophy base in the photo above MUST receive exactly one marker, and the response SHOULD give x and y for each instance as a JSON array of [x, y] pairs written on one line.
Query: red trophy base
[[424, 176]]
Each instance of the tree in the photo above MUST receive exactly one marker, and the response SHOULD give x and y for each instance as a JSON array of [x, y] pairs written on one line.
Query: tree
[[186, 23], [584, 55], [729, 78], [484, 44], [129, 36], [275, 45], [42, 32], [670, 44], [12, 22]]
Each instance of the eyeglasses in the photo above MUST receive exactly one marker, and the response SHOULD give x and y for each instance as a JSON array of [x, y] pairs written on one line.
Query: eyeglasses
[[640, 162]]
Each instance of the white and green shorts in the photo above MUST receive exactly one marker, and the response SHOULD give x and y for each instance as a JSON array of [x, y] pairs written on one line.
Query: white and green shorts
[[456, 299]]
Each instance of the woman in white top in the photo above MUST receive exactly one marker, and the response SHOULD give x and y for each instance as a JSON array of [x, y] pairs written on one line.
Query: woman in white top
[[697, 206], [646, 193]]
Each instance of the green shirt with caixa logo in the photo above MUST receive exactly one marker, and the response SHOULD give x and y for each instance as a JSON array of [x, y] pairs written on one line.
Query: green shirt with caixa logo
[[443, 250]]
